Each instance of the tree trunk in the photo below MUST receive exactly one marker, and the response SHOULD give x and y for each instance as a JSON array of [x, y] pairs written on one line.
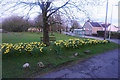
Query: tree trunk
[[59, 28], [60, 31], [45, 33], [45, 28]]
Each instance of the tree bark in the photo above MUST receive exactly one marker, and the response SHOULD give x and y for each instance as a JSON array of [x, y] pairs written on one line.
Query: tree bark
[[45, 28], [45, 33], [60, 31]]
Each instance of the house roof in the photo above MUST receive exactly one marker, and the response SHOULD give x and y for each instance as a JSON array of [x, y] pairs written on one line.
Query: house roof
[[99, 24], [95, 24], [106, 26]]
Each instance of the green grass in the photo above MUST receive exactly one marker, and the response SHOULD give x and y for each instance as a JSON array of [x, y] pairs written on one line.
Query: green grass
[[0, 66], [12, 65], [17, 37]]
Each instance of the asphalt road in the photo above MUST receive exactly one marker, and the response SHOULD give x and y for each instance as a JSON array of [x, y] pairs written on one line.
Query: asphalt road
[[104, 65]]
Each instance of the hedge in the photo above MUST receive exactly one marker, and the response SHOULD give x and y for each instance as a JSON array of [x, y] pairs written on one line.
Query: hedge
[[115, 35], [101, 33]]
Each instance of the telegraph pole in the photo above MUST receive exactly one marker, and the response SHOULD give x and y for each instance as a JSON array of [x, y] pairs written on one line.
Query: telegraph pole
[[106, 20]]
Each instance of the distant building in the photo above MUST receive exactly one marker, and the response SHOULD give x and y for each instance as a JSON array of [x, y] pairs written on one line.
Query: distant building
[[110, 27], [79, 32], [32, 29], [92, 27], [77, 27]]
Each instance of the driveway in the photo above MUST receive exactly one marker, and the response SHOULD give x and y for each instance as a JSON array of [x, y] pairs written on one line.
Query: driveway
[[104, 65]]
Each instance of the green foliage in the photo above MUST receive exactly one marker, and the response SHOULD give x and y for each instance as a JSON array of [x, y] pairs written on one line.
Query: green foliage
[[57, 49], [81, 54]]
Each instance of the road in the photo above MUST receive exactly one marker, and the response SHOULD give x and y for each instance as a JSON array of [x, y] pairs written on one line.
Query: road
[[104, 65]]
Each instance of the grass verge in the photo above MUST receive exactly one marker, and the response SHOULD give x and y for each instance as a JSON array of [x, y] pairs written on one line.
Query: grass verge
[[12, 66]]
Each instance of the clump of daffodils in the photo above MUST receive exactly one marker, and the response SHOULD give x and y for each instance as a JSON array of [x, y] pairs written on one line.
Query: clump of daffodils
[[74, 43], [7, 48], [21, 47]]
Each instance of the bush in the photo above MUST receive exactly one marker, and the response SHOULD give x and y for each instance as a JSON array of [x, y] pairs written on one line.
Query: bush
[[15, 24], [101, 33], [115, 35], [94, 34]]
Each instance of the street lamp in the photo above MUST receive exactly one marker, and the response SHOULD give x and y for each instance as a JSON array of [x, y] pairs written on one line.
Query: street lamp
[[111, 20]]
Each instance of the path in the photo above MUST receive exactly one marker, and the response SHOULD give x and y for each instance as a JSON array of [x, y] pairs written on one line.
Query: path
[[104, 65]]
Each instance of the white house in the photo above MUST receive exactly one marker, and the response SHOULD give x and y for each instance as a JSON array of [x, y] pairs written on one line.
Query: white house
[[110, 27], [92, 27]]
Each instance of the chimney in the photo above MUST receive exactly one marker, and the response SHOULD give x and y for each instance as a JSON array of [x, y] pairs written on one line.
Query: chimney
[[88, 20]]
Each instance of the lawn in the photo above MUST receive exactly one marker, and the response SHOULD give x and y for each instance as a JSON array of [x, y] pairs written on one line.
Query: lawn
[[12, 65], [17, 37]]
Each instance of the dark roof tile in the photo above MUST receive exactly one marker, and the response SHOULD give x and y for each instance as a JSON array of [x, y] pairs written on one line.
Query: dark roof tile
[[95, 24]]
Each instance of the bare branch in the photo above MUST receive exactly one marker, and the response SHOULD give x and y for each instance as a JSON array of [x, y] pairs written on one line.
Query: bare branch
[[29, 3], [30, 10], [11, 7], [24, 7], [48, 5], [58, 8], [73, 4]]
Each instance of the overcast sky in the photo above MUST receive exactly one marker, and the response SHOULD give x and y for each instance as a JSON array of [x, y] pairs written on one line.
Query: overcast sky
[[112, 9], [97, 13]]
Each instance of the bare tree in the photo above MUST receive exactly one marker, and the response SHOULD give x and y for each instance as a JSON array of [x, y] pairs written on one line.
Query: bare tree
[[47, 8], [38, 21], [75, 24], [54, 21], [15, 24], [58, 21]]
